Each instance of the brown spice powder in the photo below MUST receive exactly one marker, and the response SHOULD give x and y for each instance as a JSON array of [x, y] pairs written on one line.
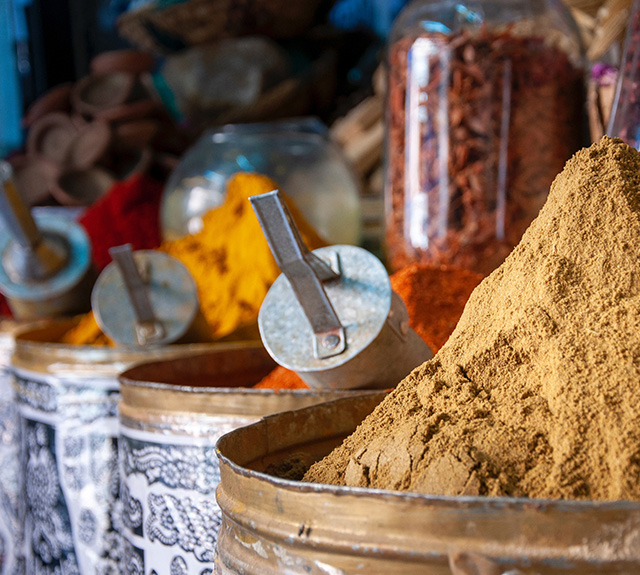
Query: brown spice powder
[[537, 390]]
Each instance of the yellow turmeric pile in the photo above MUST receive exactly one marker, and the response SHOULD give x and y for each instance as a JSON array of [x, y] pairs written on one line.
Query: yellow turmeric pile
[[86, 332], [229, 260]]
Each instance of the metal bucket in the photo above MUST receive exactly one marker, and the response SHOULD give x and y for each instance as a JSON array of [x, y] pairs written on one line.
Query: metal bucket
[[67, 397], [171, 414], [275, 526]]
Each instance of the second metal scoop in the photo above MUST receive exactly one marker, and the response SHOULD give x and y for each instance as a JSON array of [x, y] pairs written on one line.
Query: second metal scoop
[[332, 316], [144, 298]]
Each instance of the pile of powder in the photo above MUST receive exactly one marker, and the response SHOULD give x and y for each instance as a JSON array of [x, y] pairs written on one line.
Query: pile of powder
[[536, 392], [230, 262], [230, 259]]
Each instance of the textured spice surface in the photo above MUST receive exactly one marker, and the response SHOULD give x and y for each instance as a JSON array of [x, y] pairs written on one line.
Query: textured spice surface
[[536, 393]]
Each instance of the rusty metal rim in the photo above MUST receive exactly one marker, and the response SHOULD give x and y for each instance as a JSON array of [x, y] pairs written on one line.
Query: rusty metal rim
[[146, 385], [37, 349], [440, 500]]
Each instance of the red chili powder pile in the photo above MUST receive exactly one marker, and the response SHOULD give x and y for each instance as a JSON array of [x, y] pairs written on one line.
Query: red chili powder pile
[[435, 298], [128, 213], [536, 392]]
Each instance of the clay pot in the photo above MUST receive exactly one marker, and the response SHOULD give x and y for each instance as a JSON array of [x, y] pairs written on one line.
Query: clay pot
[[93, 94], [89, 146], [34, 178], [51, 136], [82, 187], [55, 100], [129, 111], [137, 133], [130, 61]]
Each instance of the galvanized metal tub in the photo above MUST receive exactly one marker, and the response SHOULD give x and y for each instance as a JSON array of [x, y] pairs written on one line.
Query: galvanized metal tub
[[171, 414], [275, 526], [67, 398]]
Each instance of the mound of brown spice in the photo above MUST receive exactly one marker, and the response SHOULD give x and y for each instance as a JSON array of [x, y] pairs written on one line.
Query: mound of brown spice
[[536, 392]]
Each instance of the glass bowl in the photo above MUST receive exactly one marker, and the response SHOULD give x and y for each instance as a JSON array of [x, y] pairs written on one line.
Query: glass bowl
[[297, 154]]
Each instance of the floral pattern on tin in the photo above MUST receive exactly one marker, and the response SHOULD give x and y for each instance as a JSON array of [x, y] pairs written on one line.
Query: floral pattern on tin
[[51, 540], [11, 496], [72, 484], [131, 511], [177, 467], [133, 563], [191, 525]]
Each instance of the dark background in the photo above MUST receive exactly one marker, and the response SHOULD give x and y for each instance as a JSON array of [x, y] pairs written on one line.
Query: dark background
[[63, 37]]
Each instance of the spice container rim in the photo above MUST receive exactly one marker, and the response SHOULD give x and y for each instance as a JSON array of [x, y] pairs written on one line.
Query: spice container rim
[[470, 501], [209, 390], [33, 347], [311, 125]]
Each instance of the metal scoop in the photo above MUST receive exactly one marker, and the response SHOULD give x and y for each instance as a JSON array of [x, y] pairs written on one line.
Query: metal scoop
[[45, 265], [332, 316], [144, 298]]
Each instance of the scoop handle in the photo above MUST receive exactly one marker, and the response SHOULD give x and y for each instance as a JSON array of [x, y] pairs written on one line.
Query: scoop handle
[[15, 213], [305, 272], [148, 328]]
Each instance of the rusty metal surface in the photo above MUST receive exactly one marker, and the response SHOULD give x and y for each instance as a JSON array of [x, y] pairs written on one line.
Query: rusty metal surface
[[272, 526], [38, 350], [168, 291]]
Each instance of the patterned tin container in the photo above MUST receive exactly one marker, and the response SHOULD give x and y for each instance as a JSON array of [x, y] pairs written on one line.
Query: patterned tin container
[[11, 560], [273, 526], [67, 399], [171, 415]]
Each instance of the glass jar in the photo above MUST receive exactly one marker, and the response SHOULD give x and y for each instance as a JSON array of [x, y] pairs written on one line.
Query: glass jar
[[485, 105], [625, 115], [297, 154]]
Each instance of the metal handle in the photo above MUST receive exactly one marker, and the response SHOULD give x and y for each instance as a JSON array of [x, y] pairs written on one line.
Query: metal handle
[[148, 328], [305, 272], [30, 257], [15, 214]]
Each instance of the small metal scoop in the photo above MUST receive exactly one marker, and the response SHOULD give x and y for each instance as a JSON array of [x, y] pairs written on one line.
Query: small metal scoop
[[45, 265], [332, 316], [144, 298]]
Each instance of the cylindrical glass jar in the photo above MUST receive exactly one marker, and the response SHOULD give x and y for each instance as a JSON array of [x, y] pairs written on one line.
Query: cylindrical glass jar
[[485, 105], [625, 115]]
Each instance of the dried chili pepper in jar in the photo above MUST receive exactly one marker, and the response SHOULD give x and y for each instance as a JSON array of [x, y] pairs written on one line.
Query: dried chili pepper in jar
[[625, 115], [485, 105]]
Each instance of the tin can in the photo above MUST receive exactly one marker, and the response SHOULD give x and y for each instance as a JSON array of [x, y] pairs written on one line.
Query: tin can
[[67, 400], [171, 415], [273, 526], [11, 516]]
